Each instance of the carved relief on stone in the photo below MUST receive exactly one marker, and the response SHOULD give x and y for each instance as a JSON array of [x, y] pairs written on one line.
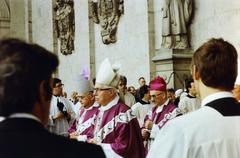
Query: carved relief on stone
[[175, 22], [65, 25], [107, 14], [4, 10]]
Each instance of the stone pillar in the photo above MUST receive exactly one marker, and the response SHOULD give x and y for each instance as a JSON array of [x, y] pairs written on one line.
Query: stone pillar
[[92, 44], [19, 19], [42, 23], [173, 65], [151, 37]]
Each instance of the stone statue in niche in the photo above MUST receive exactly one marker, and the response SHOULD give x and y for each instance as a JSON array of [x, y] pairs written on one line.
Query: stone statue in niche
[[107, 14], [175, 22], [65, 25]]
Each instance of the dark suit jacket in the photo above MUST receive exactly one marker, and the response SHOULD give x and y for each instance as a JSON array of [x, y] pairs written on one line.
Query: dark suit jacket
[[26, 138]]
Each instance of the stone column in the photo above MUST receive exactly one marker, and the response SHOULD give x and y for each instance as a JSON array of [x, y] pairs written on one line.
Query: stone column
[[151, 36], [19, 19], [92, 43], [173, 65], [42, 23]]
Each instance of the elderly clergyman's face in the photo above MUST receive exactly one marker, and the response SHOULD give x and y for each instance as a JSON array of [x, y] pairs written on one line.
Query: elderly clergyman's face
[[158, 97], [103, 95]]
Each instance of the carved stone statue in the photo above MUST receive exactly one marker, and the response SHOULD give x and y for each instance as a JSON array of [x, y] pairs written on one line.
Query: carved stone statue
[[176, 19], [65, 25], [107, 14]]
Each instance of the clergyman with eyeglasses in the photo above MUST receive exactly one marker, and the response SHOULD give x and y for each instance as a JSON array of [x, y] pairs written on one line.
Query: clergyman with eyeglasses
[[83, 126], [162, 106], [61, 113], [116, 128], [213, 131]]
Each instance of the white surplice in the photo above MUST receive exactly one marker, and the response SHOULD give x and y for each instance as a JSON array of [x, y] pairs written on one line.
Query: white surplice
[[61, 125], [204, 133]]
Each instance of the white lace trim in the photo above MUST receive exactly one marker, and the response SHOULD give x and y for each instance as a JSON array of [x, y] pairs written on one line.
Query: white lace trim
[[169, 116], [85, 125]]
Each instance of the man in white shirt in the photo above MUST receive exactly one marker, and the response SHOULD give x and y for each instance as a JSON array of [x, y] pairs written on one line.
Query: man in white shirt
[[213, 130], [126, 96], [141, 108], [61, 113], [190, 102]]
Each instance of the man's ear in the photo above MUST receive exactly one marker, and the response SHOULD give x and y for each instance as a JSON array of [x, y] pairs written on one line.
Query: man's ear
[[92, 97], [195, 73], [41, 109], [44, 91]]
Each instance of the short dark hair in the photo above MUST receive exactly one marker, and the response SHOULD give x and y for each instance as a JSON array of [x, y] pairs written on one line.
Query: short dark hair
[[94, 81], [143, 90], [216, 62], [123, 79], [23, 67], [55, 81], [171, 90], [129, 88], [141, 78], [188, 85]]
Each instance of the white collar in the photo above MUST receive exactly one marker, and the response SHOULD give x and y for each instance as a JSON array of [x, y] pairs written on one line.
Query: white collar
[[95, 104], [87, 109], [160, 108], [2, 118], [55, 96], [110, 104], [25, 115], [215, 96]]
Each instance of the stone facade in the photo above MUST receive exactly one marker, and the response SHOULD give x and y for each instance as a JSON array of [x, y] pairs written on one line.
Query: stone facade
[[19, 20], [131, 50], [210, 19], [42, 26]]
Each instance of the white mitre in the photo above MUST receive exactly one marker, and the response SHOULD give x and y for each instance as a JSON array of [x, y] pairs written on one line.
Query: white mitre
[[83, 85], [107, 76]]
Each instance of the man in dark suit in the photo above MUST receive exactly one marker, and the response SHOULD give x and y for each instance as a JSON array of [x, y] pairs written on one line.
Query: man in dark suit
[[25, 94]]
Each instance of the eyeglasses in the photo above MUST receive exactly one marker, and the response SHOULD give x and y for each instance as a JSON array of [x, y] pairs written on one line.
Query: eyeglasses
[[156, 95], [82, 97], [85, 95], [59, 85], [101, 89]]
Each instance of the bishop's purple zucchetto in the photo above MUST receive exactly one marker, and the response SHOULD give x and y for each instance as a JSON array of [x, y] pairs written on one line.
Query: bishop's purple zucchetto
[[158, 83]]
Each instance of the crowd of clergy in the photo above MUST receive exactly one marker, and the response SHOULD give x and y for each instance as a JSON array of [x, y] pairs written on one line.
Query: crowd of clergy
[[202, 120], [123, 120]]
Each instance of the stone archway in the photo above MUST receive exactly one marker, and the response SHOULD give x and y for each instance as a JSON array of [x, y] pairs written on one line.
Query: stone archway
[[4, 18]]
